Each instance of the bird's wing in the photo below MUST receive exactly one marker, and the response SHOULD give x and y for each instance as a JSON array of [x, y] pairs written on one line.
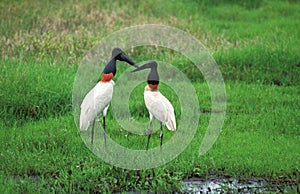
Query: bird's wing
[[171, 121], [94, 103], [154, 105], [161, 108]]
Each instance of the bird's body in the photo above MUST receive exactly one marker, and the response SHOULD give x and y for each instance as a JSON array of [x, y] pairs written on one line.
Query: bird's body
[[160, 107], [96, 102]]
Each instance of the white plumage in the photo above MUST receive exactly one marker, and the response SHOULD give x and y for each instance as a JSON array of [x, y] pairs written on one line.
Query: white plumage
[[160, 107], [95, 102]]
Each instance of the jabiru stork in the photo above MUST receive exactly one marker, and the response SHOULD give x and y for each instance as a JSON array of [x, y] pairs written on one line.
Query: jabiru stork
[[98, 99], [158, 105]]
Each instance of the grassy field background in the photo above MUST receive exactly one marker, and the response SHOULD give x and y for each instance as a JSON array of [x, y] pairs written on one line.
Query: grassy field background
[[255, 44]]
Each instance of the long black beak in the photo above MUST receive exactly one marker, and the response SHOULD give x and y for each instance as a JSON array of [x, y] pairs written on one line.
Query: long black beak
[[127, 59], [153, 76], [145, 66]]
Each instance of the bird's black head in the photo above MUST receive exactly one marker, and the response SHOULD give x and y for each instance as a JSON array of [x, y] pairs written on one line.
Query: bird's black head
[[120, 55], [153, 77], [117, 54]]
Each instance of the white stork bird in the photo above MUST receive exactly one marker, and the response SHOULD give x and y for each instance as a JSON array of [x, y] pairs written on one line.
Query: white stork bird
[[97, 100], [157, 105]]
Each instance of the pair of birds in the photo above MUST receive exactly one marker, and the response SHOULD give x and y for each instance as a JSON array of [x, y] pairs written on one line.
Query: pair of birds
[[98, 99]]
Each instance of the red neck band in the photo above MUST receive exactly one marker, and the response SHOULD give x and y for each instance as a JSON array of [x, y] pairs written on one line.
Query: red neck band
[[153, 86], [107, 77]]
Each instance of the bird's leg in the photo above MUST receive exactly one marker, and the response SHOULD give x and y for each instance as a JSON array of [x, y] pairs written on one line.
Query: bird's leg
[[104, 124], [104, 130], [149, 134], [161, 135], [92, 140]]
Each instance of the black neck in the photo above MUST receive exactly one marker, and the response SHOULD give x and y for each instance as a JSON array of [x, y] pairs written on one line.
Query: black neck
[[153, 76], [153, 82], [111, 67]]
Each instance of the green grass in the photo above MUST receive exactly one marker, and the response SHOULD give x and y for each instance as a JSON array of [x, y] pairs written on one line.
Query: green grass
[[255, 142], [30, 90], [255, 44]]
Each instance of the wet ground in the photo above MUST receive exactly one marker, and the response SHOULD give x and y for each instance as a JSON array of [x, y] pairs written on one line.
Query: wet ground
[[228, 185], [219, 185]]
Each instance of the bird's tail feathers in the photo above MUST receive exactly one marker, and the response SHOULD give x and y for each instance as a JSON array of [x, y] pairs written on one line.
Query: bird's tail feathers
[[84, 125], [171, 124]]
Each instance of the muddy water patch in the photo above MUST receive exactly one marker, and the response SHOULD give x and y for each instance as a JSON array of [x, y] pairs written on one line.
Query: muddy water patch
[[225, 185]]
